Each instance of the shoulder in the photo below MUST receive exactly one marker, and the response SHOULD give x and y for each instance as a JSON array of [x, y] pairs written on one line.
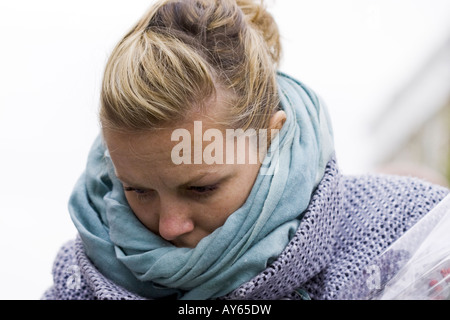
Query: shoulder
[[371, 212], [69, 282], [76, 278], [391, 192], [377, 209]]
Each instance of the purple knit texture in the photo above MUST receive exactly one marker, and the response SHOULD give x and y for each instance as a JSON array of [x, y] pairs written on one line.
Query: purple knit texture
[[349, 222]]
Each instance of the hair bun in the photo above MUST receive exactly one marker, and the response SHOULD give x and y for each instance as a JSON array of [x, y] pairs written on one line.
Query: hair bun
[[260, 19], [181, 53]]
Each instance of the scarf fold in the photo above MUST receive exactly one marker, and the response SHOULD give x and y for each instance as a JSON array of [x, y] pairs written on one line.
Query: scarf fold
[[252, 237]]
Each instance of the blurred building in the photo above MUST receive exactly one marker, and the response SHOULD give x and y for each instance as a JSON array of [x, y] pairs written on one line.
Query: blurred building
[[412, 135]]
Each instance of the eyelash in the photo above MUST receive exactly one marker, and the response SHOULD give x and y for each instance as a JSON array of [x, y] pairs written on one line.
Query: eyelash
[[198, 191], [203, 191], [141, 194]]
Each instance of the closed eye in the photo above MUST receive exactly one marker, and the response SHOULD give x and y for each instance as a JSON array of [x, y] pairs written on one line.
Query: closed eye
[[203, 191], [141, 194], [139, 191], [198, 192]]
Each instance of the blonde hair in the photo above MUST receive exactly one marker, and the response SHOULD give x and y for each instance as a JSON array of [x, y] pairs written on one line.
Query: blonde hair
[[180, 52]]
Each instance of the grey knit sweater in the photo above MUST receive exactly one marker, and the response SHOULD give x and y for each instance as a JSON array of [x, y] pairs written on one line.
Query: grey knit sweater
[[349, 221]]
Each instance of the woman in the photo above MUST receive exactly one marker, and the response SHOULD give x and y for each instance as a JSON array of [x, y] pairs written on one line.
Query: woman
[[215, 175]]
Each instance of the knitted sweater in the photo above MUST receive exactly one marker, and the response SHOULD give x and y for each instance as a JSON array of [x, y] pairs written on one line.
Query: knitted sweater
[[349, 221]]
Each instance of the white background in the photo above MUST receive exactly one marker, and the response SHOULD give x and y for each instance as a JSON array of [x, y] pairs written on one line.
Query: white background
[[355, 54]]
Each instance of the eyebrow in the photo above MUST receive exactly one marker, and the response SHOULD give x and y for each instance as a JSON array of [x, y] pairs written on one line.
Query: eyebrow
[[185, 184], [125, 181]]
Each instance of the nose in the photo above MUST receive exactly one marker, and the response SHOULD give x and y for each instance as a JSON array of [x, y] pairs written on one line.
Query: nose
[[174, 221]]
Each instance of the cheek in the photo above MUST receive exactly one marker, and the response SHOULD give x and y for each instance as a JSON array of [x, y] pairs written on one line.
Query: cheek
[[235, 194], [235, 198], [143, 212], [246, 179], [215, 214]]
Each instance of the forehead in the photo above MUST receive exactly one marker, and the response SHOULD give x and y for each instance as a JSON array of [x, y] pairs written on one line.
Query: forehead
[[154, 145], [147, 155], [157, 144]]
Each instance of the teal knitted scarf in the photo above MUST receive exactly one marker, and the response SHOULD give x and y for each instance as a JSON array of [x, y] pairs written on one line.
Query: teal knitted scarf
[[252, 237]]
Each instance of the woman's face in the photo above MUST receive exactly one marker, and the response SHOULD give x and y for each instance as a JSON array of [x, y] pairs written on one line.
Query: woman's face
[[182, 203]]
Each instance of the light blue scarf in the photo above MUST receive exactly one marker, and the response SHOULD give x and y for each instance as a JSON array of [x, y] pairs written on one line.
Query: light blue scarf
[[251, 238]]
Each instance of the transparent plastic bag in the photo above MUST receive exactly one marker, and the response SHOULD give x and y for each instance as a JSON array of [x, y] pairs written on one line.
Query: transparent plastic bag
[[417, 265]]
